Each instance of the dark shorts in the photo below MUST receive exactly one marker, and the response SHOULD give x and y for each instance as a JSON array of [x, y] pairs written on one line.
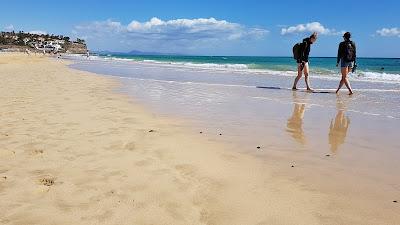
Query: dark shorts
[[299, 61], [345, 64]]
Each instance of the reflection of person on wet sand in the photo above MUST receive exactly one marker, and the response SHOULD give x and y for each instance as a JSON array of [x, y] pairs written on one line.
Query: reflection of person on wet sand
[[295, 122], [338, 128]]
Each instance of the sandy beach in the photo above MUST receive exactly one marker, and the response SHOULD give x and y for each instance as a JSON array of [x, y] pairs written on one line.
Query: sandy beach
[[75, 151]]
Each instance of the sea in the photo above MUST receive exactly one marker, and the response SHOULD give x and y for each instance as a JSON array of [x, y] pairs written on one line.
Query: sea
[[369, 69]]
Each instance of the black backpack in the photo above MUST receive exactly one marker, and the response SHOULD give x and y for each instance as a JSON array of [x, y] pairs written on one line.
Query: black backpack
[[297, 54], [297, 51], [349, 51]]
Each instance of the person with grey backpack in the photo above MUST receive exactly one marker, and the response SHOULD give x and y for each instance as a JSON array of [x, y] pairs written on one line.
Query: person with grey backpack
[[347, 58]]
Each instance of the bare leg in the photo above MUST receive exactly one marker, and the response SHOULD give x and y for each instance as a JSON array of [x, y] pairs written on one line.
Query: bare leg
[[299, 74], [306, 69], [344, 71], [347, 83], [344, 80]]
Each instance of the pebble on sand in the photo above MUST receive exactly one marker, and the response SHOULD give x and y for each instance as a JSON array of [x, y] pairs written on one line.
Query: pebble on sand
[[327, 155], [395, 201], [258, 147], [150, 131]]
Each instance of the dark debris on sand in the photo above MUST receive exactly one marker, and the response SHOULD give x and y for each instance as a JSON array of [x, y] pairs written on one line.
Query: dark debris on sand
[[48, 181]]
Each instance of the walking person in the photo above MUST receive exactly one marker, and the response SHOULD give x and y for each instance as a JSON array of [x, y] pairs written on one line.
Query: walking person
[[347, 58], [301, 52]]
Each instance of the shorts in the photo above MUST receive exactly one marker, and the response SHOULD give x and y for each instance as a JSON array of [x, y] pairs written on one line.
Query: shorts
[[300, 61], [344, 64]]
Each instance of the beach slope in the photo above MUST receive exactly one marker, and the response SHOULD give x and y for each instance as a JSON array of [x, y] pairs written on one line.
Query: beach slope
[[73, 151]]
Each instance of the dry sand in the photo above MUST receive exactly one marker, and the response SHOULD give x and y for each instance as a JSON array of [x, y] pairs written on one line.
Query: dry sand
[[72, 151]]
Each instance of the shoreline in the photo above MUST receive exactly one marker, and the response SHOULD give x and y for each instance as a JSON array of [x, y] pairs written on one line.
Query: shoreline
[[265, 66], [77, 150]]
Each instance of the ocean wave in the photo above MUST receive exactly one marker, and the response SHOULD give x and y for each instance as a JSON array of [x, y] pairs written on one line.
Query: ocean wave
[[376, 76], [327, 74], [212, 65]]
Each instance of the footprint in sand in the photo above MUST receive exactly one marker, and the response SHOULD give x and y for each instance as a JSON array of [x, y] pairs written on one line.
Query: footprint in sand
[[186, 169], [37, 152], [129, 120], [228, 157], [130, 146], [47, 181], [142, 163], [116, 146]]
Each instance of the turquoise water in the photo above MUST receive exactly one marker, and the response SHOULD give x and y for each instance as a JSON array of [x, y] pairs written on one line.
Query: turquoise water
[[380, 69]]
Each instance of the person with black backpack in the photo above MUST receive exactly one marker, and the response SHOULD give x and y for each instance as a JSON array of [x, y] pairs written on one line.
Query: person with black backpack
[[301, 52], [347, 58]]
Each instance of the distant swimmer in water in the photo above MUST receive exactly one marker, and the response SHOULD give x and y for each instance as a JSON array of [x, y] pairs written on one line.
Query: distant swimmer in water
[[347, 58], [382, 68], [301, 51]]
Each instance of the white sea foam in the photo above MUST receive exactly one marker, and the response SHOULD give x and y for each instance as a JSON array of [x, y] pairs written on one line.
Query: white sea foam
[[212, 65], [243, 68], [379, 76], [249, 69]]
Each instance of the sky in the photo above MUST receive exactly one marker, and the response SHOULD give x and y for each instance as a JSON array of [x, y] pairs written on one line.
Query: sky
[[218, 27]]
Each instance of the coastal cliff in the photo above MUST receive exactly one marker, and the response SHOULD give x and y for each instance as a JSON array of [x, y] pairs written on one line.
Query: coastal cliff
[[21, 41]]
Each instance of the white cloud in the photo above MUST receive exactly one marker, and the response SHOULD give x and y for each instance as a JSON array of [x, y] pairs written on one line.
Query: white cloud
[[37, 32], [193, 29], [99, 27], [178, 32], [9, 27], [310, 27], [389, 32]]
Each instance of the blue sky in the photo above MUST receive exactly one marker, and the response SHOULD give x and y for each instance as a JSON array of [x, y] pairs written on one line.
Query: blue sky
[[208, 27]]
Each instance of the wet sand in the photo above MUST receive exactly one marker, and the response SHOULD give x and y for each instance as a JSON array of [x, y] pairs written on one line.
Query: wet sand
[[74, 151]]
